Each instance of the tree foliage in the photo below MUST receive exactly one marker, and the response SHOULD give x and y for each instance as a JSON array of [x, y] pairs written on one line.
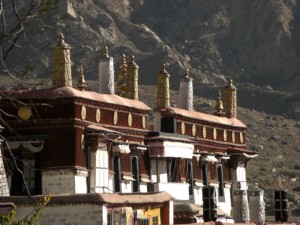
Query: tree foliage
[[30, 219], [14, 14]]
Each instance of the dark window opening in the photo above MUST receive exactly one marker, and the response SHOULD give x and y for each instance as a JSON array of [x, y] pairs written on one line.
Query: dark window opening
[[117, 175], [174, 170], [143, 221], [204, 173], [220, 179], [190, 178], [27, 175], [168, 125], [155, 220], [135, 172]]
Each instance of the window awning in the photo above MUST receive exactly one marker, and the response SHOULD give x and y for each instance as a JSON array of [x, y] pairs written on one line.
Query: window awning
[[198, 184], [33, 146], [121, 148], [145, 180], [209, 158], [129, 178]]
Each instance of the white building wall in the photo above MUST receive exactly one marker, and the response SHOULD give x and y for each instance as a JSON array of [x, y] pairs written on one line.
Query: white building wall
[[171, 212], [239, 175], [159, 171], [143, 187], [126, 186], [198, 198], [162, 170], [225, 202], [64, 182], [179, 191], [80, 184]]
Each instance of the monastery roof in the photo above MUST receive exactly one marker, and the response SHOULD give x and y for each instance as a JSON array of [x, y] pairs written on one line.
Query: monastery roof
[[204, 117], [96, 198], [69, 92]]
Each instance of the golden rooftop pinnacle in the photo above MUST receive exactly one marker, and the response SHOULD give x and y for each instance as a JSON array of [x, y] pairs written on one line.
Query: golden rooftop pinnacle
[[105, 52], [187, 73], [163, 70], [81, 81], [133, 64]]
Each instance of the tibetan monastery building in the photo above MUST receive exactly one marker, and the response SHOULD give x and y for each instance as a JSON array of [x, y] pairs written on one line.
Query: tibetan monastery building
[[98, 154]]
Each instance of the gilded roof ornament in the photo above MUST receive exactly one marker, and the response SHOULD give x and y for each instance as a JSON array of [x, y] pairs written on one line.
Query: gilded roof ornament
[[81, 81], [122, 76], [123, 59], [105, 52], [133, 64], [187, 73], [61, 42], [219, 105], [230, 84], [163, 70]]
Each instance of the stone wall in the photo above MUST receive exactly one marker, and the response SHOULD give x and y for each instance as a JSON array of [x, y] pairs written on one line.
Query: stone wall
[[71, 214], [67, 181]]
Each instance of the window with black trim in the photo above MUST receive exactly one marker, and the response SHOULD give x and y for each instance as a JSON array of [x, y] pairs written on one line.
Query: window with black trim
[[117, 171], [136, 174], [30, 179], [190, 178], [204, 173], [174, 176], [144, 221], [154, 220], [220, 178]]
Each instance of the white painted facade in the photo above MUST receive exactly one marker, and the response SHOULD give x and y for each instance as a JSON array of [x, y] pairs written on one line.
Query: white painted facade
[[126, 186], [198, 198], [239, 175], [99, 171], [66, 181], [143, 187], [179, 191]]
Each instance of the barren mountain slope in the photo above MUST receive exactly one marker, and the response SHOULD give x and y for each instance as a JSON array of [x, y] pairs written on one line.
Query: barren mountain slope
[[256, 42]]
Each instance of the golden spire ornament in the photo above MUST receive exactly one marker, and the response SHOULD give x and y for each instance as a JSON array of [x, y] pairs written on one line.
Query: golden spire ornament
[[81, 82], [219, 106]]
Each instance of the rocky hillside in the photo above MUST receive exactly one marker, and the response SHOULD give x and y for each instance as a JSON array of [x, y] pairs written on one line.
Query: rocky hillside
[[255, 42]]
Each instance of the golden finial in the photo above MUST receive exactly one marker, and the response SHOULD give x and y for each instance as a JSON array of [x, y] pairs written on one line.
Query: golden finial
[[132, 59], [61, 42], [163, 69], [230, 84], [219, 105], [81, 82], [133, 64], [122, 76], [123, 59], [61, 38], [105, 52], [163, 89], [187, 73]]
